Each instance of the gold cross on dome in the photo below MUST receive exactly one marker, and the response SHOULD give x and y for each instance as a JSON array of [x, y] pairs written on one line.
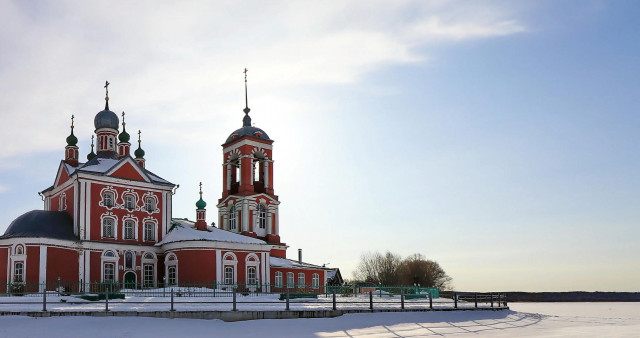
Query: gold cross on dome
[[72, 117], [106, 87], [245, 74]]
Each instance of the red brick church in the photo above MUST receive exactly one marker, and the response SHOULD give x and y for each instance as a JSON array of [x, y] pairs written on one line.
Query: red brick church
[[110, 219]]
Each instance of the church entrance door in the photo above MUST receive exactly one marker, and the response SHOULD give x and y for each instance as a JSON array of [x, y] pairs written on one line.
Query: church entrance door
[[129, 280]]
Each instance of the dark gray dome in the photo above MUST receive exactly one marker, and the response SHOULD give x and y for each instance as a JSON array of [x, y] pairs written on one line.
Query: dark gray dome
[[106, 119], [248, 131], [41, 223]]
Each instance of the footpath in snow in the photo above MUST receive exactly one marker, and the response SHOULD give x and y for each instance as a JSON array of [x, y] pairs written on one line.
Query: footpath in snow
[[524, 320]]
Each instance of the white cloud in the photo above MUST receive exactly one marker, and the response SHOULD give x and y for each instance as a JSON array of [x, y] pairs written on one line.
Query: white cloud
[[183, 62], [3, 189]]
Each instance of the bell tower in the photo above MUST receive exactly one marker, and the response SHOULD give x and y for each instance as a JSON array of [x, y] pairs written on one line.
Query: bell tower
[[249, 205]]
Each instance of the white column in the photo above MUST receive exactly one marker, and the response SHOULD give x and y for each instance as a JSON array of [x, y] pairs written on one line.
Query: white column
[[245, 215], [87, 269], [277, 222], [265, 173], [267, 270], [87, 207], [269, 220], [228, 176], [43, 267], [76, 212]]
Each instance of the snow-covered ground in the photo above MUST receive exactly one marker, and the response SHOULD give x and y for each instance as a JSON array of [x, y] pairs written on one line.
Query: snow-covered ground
[[524, 320]]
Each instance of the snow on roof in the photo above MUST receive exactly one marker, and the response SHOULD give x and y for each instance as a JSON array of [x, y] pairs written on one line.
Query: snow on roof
[[102, 165], [71, 169], [184, 230], [290, 263]]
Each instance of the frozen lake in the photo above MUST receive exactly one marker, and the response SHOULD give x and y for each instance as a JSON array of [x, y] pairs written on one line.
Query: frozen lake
[[524, 320]]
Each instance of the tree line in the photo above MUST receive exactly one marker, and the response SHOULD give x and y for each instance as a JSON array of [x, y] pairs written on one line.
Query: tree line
[[390, 269]]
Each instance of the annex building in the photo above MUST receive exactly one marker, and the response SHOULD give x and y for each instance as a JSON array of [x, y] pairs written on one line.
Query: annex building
[[109, 219]]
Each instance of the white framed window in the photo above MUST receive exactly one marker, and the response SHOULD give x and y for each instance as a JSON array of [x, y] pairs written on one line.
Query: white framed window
[[108, 227], [19, 250], [150, 204], [109, 272], [233, 222], [149, 231], [129, 201], [315, 281], [107, 199], [147, 276], [228, 275], [171, 264], [173, 276], [278, 281], [262, 216], [290, 281], [18, 272], [149, 265], [129, 229], [252, 277], [301, 282]]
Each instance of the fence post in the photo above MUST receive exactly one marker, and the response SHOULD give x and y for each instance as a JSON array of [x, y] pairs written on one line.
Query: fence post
[[492, 300], [44, 298], [172, 309], [234, 300], [58, 289], [455, 300], [475, 298], [370, 300], [334, 299], [430, 301], [106, 299], [287, 299], [402, 299], [505, 300]]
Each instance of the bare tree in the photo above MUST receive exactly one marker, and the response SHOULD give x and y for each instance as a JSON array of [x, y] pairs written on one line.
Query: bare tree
[[390, 269], [417, 269], [377, 268]]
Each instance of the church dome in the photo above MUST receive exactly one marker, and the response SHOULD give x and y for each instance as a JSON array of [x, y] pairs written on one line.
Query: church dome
[[248, 131], [43, 224], [124, 136], [201, 204], [72, 140], [106, 119]]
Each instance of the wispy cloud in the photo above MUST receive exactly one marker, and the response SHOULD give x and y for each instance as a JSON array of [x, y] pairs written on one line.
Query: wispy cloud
[[182, 61]]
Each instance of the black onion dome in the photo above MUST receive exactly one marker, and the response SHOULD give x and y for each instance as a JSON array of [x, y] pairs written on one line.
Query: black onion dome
[[106, 119], [72, 140], [42, 224], [124, 136], [248, 131]]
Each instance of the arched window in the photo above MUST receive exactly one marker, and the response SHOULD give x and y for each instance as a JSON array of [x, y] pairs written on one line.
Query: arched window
[[315, 281], [173, 279], [129, 229], [150, 204], [109, 254], [278, 280], [107, 199], [228, 275], [147, 276], [301, 282], [108, 225], [109, 272], [19, 250], [171, 264], [232, 218], [252, 277], [129, 202], [149, 231], [262, 216], [290, 282], [63, 202], [18, 272]]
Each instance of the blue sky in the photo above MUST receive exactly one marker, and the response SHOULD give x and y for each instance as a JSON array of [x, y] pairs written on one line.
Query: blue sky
[[498, 138]]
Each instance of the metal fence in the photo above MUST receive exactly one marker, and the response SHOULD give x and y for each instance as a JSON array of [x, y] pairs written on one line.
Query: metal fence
[[221, 297]]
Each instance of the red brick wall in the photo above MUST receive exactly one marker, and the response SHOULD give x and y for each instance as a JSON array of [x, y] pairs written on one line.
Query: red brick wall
[[4, 260], [33, 264], [196, 266], [62, 263]]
